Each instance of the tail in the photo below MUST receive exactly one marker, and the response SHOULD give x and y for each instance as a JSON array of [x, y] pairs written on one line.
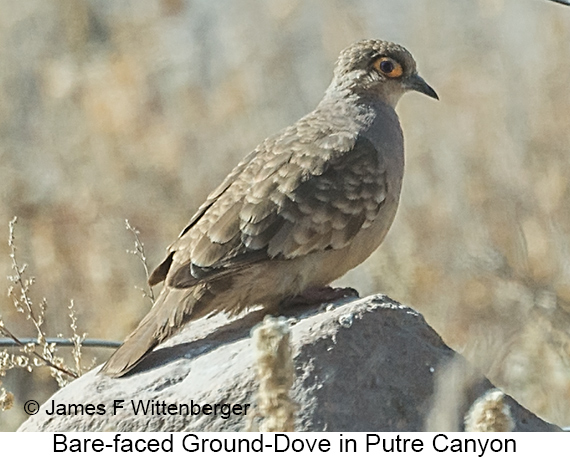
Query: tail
[[172, 309]]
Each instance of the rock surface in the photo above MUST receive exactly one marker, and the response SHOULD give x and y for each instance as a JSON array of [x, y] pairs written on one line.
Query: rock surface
[[367, 365]]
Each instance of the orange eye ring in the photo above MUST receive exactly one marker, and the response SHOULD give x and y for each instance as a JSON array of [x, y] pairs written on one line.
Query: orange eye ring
[[388, 67]]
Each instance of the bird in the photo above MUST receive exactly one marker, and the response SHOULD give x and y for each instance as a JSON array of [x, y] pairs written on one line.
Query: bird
[[305, 206]]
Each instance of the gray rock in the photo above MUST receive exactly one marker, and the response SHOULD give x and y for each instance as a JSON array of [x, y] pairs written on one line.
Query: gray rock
[[367, 365]]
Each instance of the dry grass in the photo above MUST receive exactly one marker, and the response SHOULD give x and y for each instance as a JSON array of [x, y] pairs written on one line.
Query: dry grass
[[275, 371], [40, 352], [490, 413], [136, 110]]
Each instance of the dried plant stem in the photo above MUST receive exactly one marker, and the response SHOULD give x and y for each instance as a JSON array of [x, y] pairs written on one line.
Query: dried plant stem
[[490, 413], [6, 399], [23, 284], [19, 291], [26, 348], [77, 340], [276, 373], [140, 253]]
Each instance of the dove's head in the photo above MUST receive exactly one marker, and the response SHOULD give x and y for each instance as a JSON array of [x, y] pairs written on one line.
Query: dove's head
[[379, 69]]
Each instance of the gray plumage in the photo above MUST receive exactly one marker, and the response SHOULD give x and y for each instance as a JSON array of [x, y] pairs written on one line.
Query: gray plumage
[[307, 205]]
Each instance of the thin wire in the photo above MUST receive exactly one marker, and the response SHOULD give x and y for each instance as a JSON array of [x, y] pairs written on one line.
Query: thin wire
[[64, 342]]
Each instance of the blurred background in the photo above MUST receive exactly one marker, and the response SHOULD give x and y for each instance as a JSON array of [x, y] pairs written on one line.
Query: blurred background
[[137, 110]]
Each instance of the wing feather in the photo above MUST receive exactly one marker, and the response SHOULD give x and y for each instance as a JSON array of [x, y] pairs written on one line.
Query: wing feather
[[286, 199]]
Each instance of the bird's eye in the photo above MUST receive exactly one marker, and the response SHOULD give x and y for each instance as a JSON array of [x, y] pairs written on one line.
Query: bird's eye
[[388, 67]]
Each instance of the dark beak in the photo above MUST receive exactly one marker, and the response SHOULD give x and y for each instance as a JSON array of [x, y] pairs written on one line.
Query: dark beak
[[564, 2], [417, 83]]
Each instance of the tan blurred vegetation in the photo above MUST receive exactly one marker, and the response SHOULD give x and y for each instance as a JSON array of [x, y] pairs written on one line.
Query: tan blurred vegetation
[[136, 110]]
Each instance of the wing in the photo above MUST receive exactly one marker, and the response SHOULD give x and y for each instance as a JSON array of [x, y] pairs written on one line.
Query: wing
[[288, 198]]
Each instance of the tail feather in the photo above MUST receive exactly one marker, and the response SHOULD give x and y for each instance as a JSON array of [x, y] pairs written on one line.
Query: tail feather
[[172, 309]]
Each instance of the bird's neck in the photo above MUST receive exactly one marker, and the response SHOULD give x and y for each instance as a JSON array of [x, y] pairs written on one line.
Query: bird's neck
[[342, 117], [361, 108]]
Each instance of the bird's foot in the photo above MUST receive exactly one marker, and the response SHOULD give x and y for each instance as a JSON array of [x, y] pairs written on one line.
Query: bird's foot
[[318, 295]]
